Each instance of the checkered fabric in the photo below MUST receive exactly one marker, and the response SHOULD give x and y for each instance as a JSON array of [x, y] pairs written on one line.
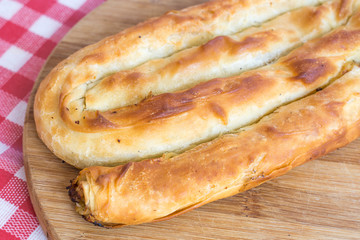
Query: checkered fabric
[[29, 30]]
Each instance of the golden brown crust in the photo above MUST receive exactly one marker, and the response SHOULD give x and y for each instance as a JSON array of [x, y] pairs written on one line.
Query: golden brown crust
[[85, 136], [169, 103], [157, 189]]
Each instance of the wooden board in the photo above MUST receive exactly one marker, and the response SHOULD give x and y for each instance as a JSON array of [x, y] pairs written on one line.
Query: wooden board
[[319, 200]]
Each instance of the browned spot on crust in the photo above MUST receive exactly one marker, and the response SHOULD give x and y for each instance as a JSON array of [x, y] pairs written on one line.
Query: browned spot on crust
[[170, 106], [310, 70], [98, 121], [271, 130], [248, 87], [219, 112], [133, 77], [224, 43]]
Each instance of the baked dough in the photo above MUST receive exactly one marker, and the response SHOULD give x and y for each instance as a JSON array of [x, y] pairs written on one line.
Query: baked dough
[[161, 188], [221, 57], [81, 125]]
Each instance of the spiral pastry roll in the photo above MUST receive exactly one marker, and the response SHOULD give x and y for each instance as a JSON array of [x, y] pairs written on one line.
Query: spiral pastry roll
[[190, 76]]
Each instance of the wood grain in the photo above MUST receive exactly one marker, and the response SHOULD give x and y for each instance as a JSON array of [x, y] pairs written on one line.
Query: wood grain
[[319, 200]]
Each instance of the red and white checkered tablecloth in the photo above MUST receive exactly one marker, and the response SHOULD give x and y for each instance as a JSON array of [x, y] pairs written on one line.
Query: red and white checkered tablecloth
[[29, 30]]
